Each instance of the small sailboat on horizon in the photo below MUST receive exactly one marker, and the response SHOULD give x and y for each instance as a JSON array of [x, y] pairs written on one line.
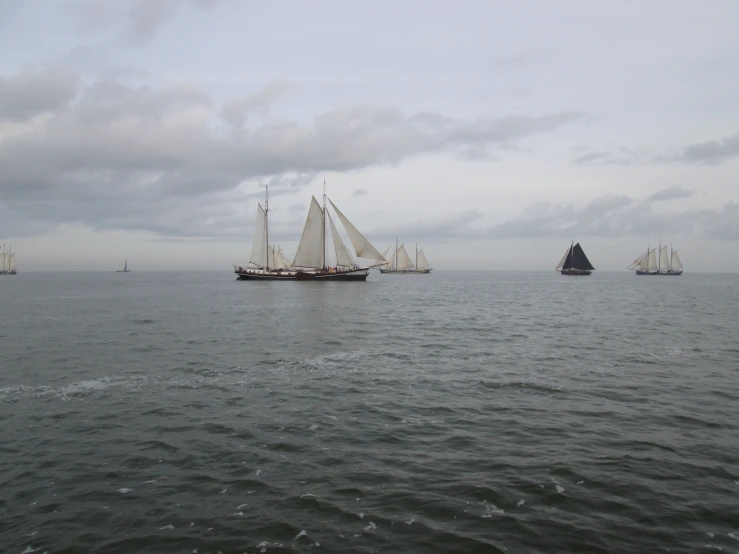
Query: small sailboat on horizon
[[400, 263], [650, 263], [575, 262], [125, 268], [7, 262]]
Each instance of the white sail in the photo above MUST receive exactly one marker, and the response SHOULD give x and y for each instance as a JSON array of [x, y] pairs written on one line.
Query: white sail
[[282, 261], [404, 262], [422, 262], [561, 263], [11, 262], [2, 262], [343, 258], [258, 257], [664, 263], [676, 263], [362, 246], [310, 249], [389, 255], [271, 257], [652, 260]]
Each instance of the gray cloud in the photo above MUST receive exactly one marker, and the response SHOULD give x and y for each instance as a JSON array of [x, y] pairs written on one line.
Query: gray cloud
[[136, 21], [235, 112], [360, 192], [670, 194], [158, 159], [710, 152], [29, 94], [618, 216], [618, 156]]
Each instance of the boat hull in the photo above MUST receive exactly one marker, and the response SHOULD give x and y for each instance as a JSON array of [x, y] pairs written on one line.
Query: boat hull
[[576, 272], [665, 273], [11, 272], [406, 271], [265, 275]]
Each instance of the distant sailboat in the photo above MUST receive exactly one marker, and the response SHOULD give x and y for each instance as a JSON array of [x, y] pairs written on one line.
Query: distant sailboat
[[575, 262], [7, 262], [650, 263], [400, 263], [267, 262], [125, 268]]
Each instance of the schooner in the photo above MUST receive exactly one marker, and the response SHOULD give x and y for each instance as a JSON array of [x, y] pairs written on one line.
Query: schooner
[[575, 262], [649, 263], [400, 262], [268, 262], [7, 262]]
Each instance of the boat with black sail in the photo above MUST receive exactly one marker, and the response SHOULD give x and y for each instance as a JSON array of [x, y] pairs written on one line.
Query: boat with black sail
[[125, 268], [575, 262], [267, 262]]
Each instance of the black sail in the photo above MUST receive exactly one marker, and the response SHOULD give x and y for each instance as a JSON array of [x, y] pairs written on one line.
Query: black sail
[[568, 260], [580, 260]]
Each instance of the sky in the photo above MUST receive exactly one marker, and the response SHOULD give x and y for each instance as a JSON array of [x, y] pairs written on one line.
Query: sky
[[490, 133]]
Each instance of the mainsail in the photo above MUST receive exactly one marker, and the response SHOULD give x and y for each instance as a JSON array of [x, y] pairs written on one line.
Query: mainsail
[[11, 262], [652, 260], [576, 259], [343, 258], [421, 261], [403, 261], [258, 248], [389, 257], [310, 249], [362, 246], [561, 263], [664, 263]]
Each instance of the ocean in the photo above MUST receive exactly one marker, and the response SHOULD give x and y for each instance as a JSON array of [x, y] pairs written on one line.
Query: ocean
[[453, 412]]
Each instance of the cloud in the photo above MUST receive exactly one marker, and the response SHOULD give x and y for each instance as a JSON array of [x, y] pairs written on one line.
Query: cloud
[[710, 152], [670, 194], [618, 216], [360, 192], [235, 112], [137, 22], [447, 227], [161, 160], [28, 94]]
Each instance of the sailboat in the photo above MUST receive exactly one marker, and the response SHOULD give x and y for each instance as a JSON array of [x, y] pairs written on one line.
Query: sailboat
[[125, 268], [575, 262], [649, 263], [7, 262], [267, 262], [400, 262]]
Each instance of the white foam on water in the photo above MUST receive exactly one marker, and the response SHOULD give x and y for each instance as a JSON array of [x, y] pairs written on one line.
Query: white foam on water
[[194, 551], [239, 514], [313, 428], [257, 473], [580, 482], [28, 550], [560, 489], [307, 495], [361, 515], [491, 510], [733, 536], [520, 503], [371, 526], [224, 491], [710, 535], [241, 506], [409, 522], [149, 482], [32, 534], [170, 526], [124, 490], [192, 523], [301, 534]]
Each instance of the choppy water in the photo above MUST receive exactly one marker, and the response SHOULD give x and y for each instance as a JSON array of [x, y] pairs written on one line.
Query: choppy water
[[456, 412]]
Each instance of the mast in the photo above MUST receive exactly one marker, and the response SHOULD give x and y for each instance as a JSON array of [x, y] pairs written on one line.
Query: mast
[[572, 254], [647, 257], [396, 253], [266, 223], [659, 259], [416, 256], [323, 227]]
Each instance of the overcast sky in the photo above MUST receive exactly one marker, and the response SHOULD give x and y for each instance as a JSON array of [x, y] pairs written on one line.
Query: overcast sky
[[490, 133]]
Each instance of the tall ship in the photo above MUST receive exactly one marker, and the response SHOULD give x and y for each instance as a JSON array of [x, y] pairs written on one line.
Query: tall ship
[[575, 262], [7, 262], [400, 263], [651, 263], [311, 262]]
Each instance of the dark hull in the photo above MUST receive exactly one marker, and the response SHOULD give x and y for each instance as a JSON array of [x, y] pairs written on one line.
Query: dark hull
[[261, 275], [666, 274], [576, 272], [8, 272], [406, 272]]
